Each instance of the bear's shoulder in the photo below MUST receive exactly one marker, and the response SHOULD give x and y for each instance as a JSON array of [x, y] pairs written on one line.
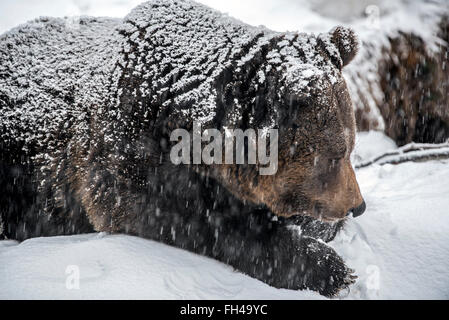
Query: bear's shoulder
[[175, 50]]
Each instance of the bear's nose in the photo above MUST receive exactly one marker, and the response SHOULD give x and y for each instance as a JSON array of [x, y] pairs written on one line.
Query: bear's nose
[[358, 211]]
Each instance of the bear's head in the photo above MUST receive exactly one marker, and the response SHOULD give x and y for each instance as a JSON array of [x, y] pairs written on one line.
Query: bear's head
[[296, 86]]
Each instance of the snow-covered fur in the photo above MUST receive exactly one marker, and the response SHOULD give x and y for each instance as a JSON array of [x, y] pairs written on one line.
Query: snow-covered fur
[[86, 110]]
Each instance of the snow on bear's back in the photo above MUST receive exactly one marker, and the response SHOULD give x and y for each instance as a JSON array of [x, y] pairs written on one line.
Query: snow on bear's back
[[51, 69], [177, 57], [178, 48]]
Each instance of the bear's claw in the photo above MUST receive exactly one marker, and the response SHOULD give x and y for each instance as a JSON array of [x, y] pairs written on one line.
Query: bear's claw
[[348, 280], [351, 277]]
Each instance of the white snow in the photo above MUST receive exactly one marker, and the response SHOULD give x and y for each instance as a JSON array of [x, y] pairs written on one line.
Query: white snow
[[369, 144], [404, 233], [399, 248], [121, 267]]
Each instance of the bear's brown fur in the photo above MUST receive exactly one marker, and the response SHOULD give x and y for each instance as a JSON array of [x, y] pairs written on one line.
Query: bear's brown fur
[[414, 85]]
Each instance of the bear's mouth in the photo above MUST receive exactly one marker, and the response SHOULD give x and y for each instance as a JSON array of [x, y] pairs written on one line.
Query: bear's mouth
[[317, 210], [321, 217], [331, 220]]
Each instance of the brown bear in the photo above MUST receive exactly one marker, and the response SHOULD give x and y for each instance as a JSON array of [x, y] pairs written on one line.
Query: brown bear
[[87, 108]]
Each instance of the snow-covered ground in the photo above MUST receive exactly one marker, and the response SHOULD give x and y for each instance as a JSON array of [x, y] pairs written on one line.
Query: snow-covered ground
[[399, 249]]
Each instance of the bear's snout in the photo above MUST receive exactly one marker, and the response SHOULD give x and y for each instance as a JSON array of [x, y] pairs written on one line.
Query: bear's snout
[[358, 211]]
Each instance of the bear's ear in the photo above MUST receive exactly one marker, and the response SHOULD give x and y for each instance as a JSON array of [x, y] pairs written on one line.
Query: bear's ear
[[346, 42]]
